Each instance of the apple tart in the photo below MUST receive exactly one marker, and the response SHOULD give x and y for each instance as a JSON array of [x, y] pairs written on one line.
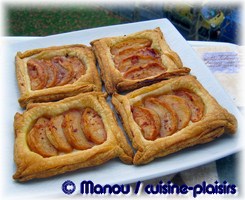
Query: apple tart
[[53, 73], [139, 59], [76, 132], [171, 115]]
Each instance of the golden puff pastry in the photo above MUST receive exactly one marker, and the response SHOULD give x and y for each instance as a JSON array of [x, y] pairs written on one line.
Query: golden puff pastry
[[53, 73], [76, 132], [139, 59], [171, 115]]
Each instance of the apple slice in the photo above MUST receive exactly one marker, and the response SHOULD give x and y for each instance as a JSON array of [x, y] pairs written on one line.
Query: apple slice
[[180, 107], [37, 74], [167, 116], [52, 73], [194, 102], [135, 61], [93, 126], [148, 51], [148, 121], [56, 134], [38, 141], [130, 43], [128, 63], [150, 69], [134, 51], [118, 58], [78, 68], [65, 70], [73, 131]]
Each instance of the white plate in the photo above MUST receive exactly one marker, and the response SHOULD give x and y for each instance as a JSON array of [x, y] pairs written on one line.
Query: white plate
[[114, 171]]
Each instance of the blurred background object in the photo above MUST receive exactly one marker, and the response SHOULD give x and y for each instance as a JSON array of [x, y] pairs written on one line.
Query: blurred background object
[[205, 22]]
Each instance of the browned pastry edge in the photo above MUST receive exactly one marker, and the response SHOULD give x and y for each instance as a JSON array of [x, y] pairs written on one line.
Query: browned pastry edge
[[86, 83], [32, 165], [216, 121], [114, 81]]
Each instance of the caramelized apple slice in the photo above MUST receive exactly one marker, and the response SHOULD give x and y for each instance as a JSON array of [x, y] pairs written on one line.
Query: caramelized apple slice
[[140, 52], [56, 134], [78, 68], [194, 102], [73, 130], [151, 69], [148, 121], [130, 43], [65, 70], [38, 141], [52, 74], [180, 107], [168, 117], [135, 61], [37, 73], [118, 58], [148, 51], [93, 126]]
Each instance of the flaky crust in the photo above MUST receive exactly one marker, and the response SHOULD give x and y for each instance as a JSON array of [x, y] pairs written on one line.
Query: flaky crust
[[90, 81], [216, 120], [32, 165], [113, 79]]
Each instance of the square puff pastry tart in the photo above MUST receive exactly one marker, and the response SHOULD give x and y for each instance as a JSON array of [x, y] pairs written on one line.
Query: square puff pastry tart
[[171, 115], [53, 73], [73, 133], [139, 59]]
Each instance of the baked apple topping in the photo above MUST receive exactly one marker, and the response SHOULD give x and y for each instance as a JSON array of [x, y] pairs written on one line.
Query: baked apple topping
[[148, 120], [164, 115], [93, 127], [38, 140], [167, 116], [194, 102], [57, 71], [135, 59], [136, 43], [79, 129]]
